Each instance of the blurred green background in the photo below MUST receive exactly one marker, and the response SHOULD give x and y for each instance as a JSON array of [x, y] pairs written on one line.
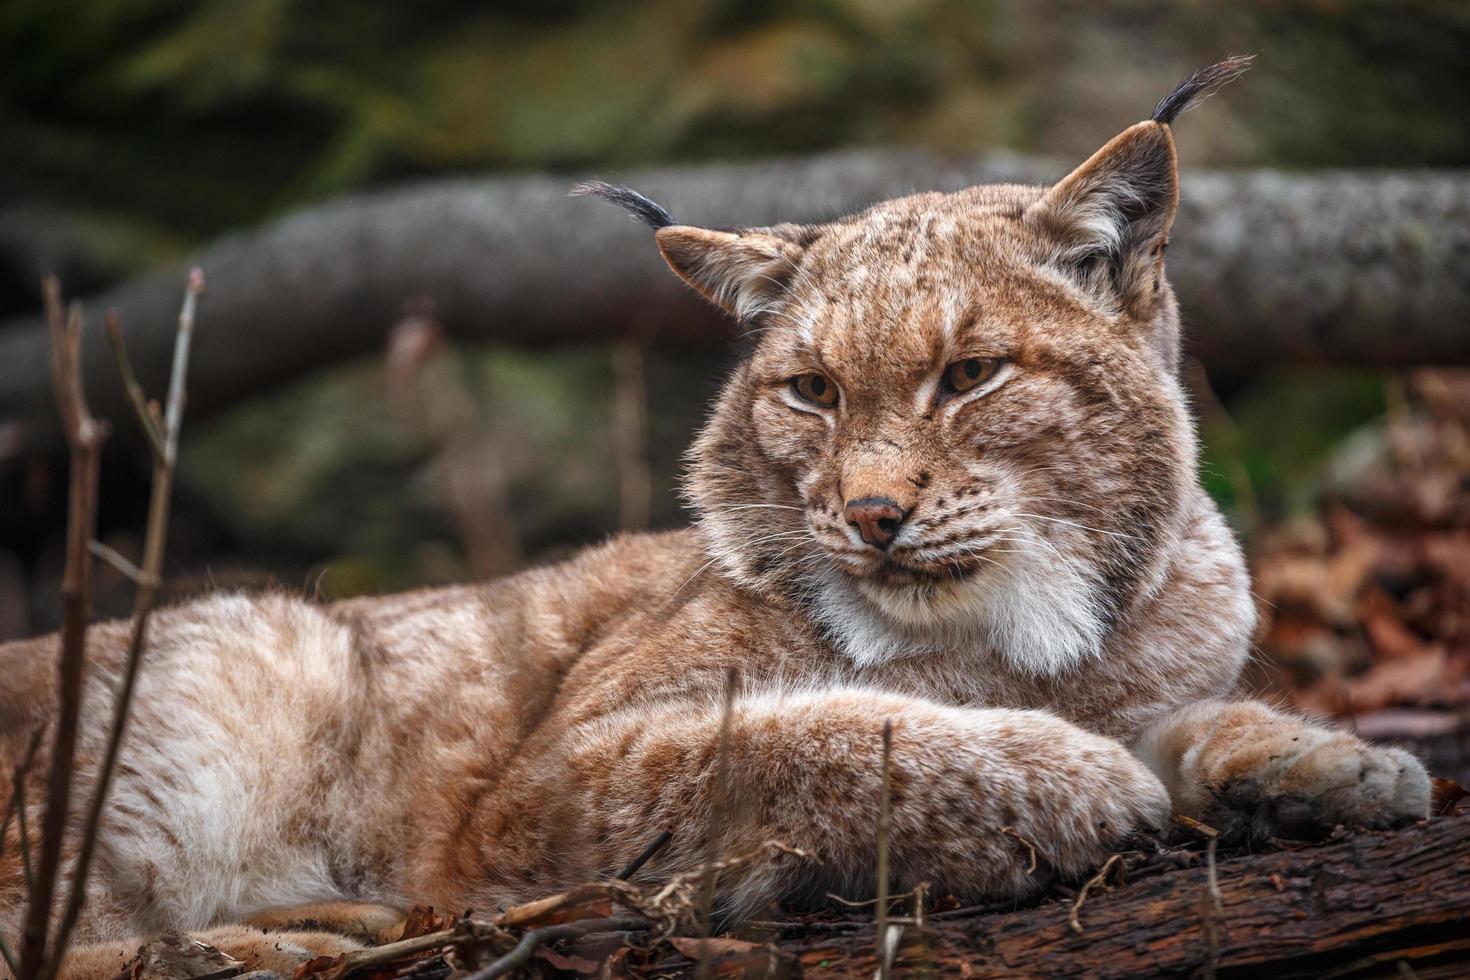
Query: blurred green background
[[135, 130]]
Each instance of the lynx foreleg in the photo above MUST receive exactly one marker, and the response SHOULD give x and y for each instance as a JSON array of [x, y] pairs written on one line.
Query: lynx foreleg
[[970, 790], [1255, 772]]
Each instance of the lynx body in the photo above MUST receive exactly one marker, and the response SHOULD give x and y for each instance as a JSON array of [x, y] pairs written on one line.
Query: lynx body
[[951, 487]]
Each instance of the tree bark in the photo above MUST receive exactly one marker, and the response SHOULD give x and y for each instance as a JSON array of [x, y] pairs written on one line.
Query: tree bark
[[1355, 908], [1341, 267]]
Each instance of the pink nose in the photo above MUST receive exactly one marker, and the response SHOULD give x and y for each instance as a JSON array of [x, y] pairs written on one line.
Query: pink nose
[[876, 519]]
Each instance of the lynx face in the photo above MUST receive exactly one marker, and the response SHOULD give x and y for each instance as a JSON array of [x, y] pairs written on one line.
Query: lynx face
[[960, 426]]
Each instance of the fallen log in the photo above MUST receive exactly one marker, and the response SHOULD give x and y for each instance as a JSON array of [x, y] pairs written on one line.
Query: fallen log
[[1342, 267], [1357, 907]]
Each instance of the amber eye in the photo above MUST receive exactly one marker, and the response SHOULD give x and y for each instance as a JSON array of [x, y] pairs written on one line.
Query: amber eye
[[815, 388], [962, 376]]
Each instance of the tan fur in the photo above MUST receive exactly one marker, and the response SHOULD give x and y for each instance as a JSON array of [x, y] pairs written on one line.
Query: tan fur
[[1061, 589]]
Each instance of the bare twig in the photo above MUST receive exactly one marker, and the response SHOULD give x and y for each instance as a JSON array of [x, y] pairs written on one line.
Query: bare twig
[[717, 803], [16, 803], [1030, 868], [24, 830], [463, 933], [921, 892], [149, 579], [16, 809], [1211, 907], [84, 437], [136, 397], [114, 558], [1203, 829], [1096, 879], [870, 903], [885, 803], [536, 938], [636, 865], [679, 899]]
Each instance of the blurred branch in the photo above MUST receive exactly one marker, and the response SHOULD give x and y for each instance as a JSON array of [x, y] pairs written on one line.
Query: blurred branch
[[431, 391], [1336, 266], [630, 436]]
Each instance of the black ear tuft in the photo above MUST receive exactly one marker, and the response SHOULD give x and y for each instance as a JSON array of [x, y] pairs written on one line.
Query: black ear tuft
[[1200, 86], [648, 211]]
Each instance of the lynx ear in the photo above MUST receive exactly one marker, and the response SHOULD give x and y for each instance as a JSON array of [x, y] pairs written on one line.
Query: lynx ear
[[1109, 219], [740, 271]]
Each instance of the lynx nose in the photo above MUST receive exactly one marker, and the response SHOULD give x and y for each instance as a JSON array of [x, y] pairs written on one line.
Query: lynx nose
[[876, 518]]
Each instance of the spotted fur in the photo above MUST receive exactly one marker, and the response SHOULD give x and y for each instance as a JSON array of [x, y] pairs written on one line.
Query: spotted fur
[[1059, 593]]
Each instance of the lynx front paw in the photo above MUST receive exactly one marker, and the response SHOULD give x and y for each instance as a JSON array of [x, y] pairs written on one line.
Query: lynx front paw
[[1302, 783], [1089, 793]]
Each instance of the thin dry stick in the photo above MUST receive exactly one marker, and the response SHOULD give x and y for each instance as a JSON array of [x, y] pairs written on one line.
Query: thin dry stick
[[16, 809], [84, 436], [885, 803], [464, 932], [131, 385], [27, 870], [718, 797], [648, 854], [114, 558], [537, 938], [873, 902], [1030, 868], [1210, 907], [1082, 895], [149, 579], [1189, 823]]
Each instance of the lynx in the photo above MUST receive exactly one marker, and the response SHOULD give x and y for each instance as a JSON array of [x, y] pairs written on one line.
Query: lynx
[[950, 486]]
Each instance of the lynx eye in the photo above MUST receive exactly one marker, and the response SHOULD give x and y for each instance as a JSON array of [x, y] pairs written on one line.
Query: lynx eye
[[815, 388], [966, 375]]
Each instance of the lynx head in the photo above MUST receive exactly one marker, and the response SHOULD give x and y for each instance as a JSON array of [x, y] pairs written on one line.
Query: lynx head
[[959, 426]]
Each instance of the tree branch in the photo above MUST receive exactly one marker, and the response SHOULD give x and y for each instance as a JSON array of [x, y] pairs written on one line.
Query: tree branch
[[84, 436], [1341, 267], [148, 579], [1352, 907]]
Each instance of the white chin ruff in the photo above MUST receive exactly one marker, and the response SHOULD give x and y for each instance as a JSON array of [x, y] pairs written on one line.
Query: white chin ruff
[[1040, 617]]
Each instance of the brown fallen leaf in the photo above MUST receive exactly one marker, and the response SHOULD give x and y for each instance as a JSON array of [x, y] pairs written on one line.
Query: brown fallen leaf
[[421, 921], [316, 966], [1445, 797], [1410, 680], [616, 965], [721, 954], [1390, 638]]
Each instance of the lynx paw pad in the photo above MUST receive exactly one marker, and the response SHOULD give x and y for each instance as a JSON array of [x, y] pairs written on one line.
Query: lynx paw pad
[[1340, 780]]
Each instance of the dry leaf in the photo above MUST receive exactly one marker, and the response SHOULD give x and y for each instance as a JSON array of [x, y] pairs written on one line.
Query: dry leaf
[[1446, 796], [421, 921], [719, 953], [315, 967], [1414, 680]]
